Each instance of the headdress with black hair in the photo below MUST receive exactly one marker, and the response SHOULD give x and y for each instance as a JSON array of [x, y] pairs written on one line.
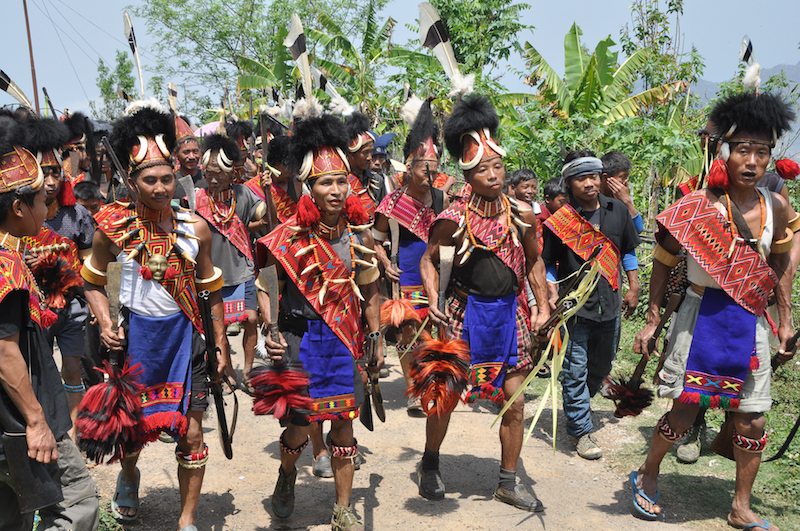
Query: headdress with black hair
[[469, 131], [240, 131], [318, 148], [44, 137], [81, 134], [226, 148], [19, 170], [422, 142], [765, 114], [145, 137], [748, 113], [278, 150], [358, 133]]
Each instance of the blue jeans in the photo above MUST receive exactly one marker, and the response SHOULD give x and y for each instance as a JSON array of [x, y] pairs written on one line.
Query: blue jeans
[[591, 350]]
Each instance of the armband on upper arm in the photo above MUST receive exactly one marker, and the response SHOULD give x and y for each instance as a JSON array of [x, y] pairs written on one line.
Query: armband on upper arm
[[665, 257], [379, 235], [794, 223], [92, 275], [212, 283], [261, 211], [784, 245]]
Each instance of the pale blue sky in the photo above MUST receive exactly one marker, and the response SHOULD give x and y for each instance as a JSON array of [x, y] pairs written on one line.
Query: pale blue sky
[[714, 27]]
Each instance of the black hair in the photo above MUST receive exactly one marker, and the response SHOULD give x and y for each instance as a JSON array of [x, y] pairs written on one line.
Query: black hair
[[469, 114], [79, 125], [44, 134], [7, 200], [278, 150], [615, 162], [424, 126], [87, 190], [216, 142], [553, 188], [355, 124], [578, 154], [240, 128], [313, 133], [146, 121], [520, 176], [752, 113]]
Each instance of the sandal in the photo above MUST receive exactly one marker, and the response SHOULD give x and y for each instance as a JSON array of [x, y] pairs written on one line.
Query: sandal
[[122, 498]]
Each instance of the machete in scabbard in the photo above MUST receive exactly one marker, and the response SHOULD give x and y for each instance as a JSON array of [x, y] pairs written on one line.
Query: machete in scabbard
[[215, 383]]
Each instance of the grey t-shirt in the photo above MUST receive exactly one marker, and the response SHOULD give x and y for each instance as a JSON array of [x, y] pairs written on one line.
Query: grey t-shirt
[[236, 267]]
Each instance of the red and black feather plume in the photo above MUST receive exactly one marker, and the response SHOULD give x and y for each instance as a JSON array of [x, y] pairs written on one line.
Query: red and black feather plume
[[629, 395], [440, 370], [280, 390], [57, 280], [396, 312], [110, 418]]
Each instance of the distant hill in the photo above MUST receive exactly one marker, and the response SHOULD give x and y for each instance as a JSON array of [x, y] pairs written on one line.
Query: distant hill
[[707, 89]]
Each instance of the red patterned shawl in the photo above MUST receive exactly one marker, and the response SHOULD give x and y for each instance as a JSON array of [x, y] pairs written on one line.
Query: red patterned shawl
[[580, 236], [234, 230], [284, 204], [489, 231], [182, 287], [49, 237], [409, 212], [15, 276], [342, 309], [361, 194], [705, 234]]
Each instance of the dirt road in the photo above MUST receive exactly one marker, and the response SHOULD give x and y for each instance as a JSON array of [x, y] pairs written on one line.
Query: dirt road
[[577, 494]]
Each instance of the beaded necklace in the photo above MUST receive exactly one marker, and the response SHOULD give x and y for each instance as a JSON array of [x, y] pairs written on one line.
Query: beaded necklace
[[763, 216], [220, 216], [488, 207]]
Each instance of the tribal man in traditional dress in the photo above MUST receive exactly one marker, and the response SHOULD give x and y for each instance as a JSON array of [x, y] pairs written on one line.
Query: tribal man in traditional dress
[[590, 220], [368, 187], [241, 131], [486, 305], [166, 257], [67, 234], [283, 187], [187, 154], [326, 254], [736, 239], [414, 207], [30, 386], [232, 211]]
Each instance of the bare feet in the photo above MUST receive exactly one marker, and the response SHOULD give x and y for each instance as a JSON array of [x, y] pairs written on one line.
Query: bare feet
[[649, 485], [742, 517]]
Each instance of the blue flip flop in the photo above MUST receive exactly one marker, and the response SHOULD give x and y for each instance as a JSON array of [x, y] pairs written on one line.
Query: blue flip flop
[[122, 498], [636, 490], [765, 525]]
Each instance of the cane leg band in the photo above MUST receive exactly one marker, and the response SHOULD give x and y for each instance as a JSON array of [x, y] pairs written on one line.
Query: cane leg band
[[293, 451], [345, 452], [666, 431], [190, 460], [753, 446], [74, 388]]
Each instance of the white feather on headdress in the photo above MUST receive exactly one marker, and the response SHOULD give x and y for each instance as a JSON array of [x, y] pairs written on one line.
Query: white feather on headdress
[[151, 103], [410, 110], [307, 108], [752, 76], [434, 36]]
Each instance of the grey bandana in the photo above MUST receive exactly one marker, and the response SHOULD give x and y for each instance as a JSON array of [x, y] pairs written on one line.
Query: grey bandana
[[581, 166]]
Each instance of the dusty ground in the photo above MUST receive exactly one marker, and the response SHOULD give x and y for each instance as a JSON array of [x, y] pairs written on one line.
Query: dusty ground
[[577, 494]]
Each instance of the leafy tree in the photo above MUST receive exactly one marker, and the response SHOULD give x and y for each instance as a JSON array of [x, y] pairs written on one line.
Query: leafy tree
[[594, 84], [110, 106], [199, 42], [483, 32]]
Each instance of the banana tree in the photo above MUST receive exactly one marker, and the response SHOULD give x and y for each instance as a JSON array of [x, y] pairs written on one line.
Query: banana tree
[[593, 84], [354, 69]]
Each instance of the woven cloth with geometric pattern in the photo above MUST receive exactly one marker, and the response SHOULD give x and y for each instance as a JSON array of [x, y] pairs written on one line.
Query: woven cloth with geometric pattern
[[705, 234]]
